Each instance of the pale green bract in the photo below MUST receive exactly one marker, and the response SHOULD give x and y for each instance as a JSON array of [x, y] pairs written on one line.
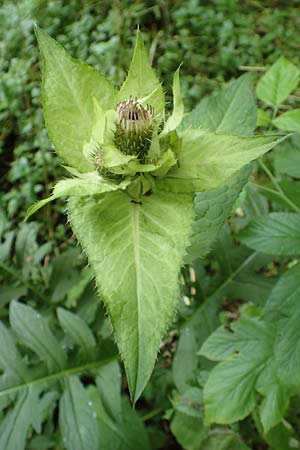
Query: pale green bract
[[135, 174]]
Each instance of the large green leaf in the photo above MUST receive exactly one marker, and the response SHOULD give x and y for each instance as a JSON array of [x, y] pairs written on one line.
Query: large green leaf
[[141, 81], [231, 111], [257, 355], [275, 233], [207, 160], [135, 249], [68, 90], [278, 82], [234, 379], [77, 417]]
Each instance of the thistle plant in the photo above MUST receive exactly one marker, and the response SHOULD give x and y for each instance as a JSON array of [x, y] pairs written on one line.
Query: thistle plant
[[131, 197]]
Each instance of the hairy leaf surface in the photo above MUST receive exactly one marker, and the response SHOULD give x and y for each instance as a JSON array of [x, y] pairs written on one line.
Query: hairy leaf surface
[[68, 90], [207, 160], [135, 249], [141, 81]]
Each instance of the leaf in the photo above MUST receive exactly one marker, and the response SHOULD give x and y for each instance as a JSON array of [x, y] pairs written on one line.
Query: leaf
[[135, 249], [287, 158], [109, 385], [15, 426], [77, 418], [263, 118], [90, 183], [212, 209], [232, 110], [234, 379], [275, 234], [228, 441], [141, 81], [178, 109], [188, 431], [37, 335], [289, 121], [68, 89], [185, 360], [278, 82], [79, 332], [207, 160], [283, 298], [10, 359]]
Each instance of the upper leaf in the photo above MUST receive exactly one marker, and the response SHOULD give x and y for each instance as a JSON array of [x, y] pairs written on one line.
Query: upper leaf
[[135, 249], [278, 82], [207, 160], [68, 90], [231, 111], [141, 81]]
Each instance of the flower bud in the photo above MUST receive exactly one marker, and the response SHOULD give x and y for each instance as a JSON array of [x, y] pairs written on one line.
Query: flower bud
[[134, 127]]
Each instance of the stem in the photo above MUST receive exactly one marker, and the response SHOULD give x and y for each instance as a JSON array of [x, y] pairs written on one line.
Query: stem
[[219, 289], [277, 186], [19, 277], [56, 376], [151, 414]]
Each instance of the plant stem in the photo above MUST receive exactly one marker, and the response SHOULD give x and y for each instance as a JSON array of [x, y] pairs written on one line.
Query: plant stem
[[219, 289], [56, 376], [151, 414], [277, 186]]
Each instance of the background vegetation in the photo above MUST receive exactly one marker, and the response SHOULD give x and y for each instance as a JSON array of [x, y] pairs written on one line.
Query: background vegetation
[[40, 262]]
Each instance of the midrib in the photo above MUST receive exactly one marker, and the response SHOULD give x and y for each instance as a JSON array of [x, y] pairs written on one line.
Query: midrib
[[136, 244]]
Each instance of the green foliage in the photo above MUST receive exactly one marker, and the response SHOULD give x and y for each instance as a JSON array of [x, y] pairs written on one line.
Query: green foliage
[[61, 385]]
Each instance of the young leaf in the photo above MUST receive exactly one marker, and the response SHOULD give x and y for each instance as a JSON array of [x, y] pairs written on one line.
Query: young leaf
[[275, 234], [109, 385], [135, 249], [289, 121], [207, 160], [278, 82], [231, 111], [68, 90], [178, 109], [37, 336], [142, 82], [77, 418]]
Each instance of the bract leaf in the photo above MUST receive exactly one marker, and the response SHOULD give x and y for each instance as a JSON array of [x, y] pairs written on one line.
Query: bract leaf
[[178, 109], [89, 183], [207, 160], [135, 249], [68, 90], [141, 80]]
